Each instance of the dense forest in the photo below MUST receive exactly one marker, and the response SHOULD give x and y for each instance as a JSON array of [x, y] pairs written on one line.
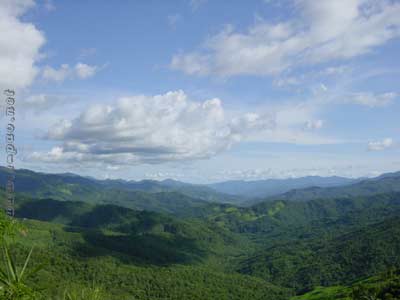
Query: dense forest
[[77, 238]]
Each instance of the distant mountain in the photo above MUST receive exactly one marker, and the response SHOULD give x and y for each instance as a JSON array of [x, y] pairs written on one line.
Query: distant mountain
[[385, 183], [162, 196], [270, 187], [193, 190], [177, 197], [139, 196], [386, 175]]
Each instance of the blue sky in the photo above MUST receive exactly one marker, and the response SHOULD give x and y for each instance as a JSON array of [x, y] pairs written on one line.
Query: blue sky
[[204, 91]]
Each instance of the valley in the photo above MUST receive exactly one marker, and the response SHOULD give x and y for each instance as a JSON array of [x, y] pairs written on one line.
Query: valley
[[155, 244]]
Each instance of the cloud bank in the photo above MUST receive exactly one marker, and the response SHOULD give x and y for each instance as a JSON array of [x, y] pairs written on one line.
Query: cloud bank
[[380, 145], [150, 129], [325, 31]]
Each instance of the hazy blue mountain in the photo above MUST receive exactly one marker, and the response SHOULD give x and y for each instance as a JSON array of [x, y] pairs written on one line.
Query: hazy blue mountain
[[386, 183], [269, 187], [199, 191]]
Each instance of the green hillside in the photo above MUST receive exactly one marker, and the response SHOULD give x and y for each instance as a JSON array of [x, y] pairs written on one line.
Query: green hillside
[[383, 184], [385, 286], [133, 255], [343, 259], [144, 194], [167, 247]]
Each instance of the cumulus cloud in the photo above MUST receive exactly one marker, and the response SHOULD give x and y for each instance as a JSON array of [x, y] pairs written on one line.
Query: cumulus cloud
[[80, 70], [150, 129], [380, 145], [325, 31], [372, 100], [20, 44]]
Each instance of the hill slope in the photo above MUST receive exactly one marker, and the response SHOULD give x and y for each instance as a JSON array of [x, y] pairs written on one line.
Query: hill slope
[[330, 261], [73, 187], [383, 184]]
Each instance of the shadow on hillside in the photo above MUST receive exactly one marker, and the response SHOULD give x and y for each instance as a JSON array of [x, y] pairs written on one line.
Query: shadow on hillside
[[132, 236], [49, 210], [144, 249]]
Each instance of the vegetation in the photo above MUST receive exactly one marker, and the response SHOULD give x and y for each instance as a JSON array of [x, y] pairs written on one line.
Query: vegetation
[[167, 196], [385, 286], [335, 248], [329, 261], [386, 183]]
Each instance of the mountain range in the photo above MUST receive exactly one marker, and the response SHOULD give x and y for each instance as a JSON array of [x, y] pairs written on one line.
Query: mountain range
[[70, 186], [152, 240]]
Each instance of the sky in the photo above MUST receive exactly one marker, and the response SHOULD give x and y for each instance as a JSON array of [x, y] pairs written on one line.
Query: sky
[[203, 91]]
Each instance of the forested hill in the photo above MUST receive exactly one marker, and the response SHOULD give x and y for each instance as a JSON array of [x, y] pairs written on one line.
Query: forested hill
[[383, 184], [132, 254], [69, 187], [276, 218], [279, 248], [166, 245], [329, 261], [73, 187]]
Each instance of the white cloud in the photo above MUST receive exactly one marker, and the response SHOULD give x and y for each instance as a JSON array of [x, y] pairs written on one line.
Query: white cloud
[[337, 70], [326, 31], [295, 123], [192, 63], [285, 81], [80, 70], [317, 124], [84, 71], [372, 100], [15, 8], [20, 43], [380, 145], [42, 102], [59, 75], [150, 129]]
